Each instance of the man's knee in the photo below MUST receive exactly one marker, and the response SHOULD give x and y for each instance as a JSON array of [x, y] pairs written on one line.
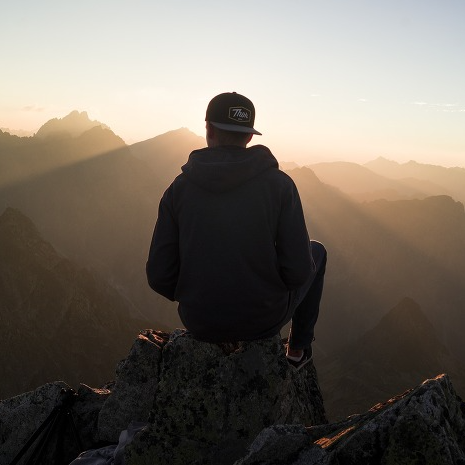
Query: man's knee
[[319, 254]]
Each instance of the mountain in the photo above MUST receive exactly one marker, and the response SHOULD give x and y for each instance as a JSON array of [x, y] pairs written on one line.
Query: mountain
[[57, 320], [452, 180], [380, 251], [288, 165], [166, 153], [401, 351], [363, 184], [17, 132], [23, 159], [94, 201], [72, 125]]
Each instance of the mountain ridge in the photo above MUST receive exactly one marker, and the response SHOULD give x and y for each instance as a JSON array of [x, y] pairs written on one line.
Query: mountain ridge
[[452, 179], [58, 321], [166, 153], [74, 124], [364, 185], [379, 252]]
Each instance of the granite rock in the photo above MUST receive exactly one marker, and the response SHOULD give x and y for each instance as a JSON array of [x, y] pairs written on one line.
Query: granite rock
[[240, 404], [21, 416], [425, 425], [213, 399], [133, 393]]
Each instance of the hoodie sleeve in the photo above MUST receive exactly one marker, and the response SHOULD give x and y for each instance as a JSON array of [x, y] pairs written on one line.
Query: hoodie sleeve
[[292, 242], [163, 262]]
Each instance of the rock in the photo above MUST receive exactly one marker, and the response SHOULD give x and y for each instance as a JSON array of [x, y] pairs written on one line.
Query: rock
[[423, 426], [213, 399], [88, 405], [134, 391], [202, 400], [240, 404], [279, 442], [20, 418], [23, 415]]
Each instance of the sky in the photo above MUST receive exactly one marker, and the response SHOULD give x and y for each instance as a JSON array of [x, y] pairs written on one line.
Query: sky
[[331, 80]]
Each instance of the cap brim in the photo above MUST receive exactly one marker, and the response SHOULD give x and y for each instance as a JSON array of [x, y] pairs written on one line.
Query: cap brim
[[235, 128]]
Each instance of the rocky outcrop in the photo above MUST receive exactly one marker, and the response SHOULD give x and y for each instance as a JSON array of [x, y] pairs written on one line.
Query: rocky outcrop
[[34, 406], [201, 400], [423, 426], [133, 394], [237, 404], [212, 400]]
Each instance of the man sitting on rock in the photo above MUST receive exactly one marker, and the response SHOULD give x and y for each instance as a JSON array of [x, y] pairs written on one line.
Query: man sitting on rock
[[230, 243]]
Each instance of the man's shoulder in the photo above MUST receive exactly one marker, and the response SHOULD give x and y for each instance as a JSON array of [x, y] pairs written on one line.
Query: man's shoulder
[[271, 175], [178, 180], [278, 176]]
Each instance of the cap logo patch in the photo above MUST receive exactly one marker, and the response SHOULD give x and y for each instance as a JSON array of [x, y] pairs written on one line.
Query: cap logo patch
[[239, 114]]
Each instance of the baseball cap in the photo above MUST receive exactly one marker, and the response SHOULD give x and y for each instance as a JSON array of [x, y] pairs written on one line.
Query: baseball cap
[[231, 111]]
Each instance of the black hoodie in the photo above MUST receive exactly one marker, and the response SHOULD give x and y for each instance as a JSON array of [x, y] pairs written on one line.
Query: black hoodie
[[230, 243]]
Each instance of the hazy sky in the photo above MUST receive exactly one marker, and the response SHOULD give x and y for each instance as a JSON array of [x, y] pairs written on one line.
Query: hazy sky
[[330, 79]]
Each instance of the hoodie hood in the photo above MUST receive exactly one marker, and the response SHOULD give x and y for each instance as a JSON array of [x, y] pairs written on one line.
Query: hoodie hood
[[220, 169]]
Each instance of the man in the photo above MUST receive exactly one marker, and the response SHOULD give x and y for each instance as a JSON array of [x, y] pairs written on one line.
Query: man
[[230, 243]]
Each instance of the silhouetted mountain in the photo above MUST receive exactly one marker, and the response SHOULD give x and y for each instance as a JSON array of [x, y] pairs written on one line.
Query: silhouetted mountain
[[401, 351], [166, 153], [452, 180], [288, 165], [23, 159], [94, 201], [72, 125], [362, 184], [57, 320]]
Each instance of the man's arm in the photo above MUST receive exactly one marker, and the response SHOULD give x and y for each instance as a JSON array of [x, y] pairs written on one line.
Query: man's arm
[[163, 262], [292, 242]]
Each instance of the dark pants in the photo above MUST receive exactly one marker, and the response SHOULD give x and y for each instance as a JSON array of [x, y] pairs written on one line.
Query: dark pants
[[305, 302]]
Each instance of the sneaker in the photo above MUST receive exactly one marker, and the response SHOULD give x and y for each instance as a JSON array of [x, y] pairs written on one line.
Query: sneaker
[[306, 358]]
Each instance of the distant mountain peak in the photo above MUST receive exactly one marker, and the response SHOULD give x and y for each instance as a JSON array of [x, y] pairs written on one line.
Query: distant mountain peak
[[381, 162], [400, 350], [288, 165], [182, 130], [77, 115], [72, 125], [174, 136], [405, 337], [407, 314]]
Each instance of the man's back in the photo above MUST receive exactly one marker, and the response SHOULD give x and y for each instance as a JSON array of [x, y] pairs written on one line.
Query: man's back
[[242, 244], [230, 243]]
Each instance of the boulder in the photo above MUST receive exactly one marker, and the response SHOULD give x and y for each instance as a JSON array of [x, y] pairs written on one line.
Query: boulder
[[134, 390], [24, 415], [87, 407], [425, 425], [213, 399]]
